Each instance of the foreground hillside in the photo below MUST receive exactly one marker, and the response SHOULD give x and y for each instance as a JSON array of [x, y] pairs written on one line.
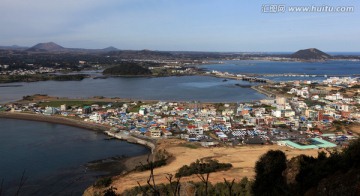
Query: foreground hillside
[[275, 170], [242, 158]]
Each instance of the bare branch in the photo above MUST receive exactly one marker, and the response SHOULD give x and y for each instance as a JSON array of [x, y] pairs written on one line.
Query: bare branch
[[1, 186], [141, 188], [229, 185], [22, 182], [205, 180]]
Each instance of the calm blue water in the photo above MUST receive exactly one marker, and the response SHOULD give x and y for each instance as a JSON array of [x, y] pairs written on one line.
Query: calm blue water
[[186, 88], [54, 156], [296, 78], [273, 67]]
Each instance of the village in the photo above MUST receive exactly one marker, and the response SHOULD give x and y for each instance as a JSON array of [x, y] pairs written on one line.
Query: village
[[22, 72], [302, 118]]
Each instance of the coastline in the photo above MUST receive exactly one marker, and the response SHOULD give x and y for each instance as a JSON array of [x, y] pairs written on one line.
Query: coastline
[[80, 124], [131, 139], [105, 166], [55, 120], [262, 91], [128, 162]]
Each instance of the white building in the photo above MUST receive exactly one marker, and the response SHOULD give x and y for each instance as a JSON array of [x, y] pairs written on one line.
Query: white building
[[95, 117], [276, 113]]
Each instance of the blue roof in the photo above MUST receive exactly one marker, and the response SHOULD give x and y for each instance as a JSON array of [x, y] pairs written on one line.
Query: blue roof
[[143, 130]]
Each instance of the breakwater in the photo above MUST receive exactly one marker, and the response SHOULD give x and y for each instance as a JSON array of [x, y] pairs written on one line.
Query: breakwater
[[263, 91], [126, 136]]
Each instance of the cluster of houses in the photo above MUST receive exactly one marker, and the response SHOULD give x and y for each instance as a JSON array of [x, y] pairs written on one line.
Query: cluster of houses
[[264, 122], [22, 72], [341, 81], [307, 113]]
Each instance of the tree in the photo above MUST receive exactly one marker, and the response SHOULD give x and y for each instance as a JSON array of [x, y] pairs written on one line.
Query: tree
[[110, 191], [269, 169]]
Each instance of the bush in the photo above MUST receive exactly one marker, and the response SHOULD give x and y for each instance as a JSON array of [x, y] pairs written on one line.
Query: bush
[[199, 167], [148, 166], [103, 182]]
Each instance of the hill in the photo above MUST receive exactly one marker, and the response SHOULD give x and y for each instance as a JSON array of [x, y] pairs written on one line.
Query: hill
[[310, 54], [110, 49], [331, 172], [127, 69], [44, 47], [140, 54]]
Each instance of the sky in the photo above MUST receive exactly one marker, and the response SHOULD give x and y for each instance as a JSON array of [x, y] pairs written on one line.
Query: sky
[[180, 25]]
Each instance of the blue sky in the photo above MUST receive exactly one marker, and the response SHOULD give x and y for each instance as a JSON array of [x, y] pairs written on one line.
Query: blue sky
[[192, 25]]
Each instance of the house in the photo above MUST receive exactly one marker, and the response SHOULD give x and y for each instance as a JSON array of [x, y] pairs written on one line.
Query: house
[[50, 111], [63, 107], [276, 113], [255, 140], [166, 133], [142, 111], [95, 117], [208, 142], [86, 110], [154, 132]]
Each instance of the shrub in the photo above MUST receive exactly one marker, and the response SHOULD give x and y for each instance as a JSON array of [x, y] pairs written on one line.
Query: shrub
[[200, 167], [103, 182]]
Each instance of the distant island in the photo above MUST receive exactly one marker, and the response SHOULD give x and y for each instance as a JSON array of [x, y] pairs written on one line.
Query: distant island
[[127, 69], [311, 54]]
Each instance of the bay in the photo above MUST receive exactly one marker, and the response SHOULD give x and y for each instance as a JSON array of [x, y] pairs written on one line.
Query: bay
[[185, 88], [54, 157]]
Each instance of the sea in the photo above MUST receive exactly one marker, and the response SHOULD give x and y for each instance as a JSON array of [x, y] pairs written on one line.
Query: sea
[[56, 159], [271, 69]]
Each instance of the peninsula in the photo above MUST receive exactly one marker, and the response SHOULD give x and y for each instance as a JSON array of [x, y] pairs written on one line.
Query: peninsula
[[178, 131]]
